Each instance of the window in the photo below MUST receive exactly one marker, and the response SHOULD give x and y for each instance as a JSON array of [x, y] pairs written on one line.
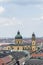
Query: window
[[8, 48], [18, 42], [33, 43], [12, 47], [33, 48], [23, 48], [18, 48]]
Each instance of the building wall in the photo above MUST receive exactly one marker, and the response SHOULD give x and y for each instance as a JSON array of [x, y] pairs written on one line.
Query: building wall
[[33, 48], [16, 48], [7, 48], [18, 41], [33, 45]]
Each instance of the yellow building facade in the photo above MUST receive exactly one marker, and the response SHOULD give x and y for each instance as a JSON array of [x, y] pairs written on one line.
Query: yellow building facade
[[17, 48], [19, 45]]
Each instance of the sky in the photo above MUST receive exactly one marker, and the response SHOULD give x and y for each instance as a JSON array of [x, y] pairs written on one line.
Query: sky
[[23, 15]]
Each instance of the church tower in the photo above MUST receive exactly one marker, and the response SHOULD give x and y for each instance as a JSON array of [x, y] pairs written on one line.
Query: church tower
[[18, 38], [33, 43]]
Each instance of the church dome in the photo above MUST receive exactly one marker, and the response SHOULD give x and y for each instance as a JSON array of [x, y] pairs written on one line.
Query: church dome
[[18, 36]]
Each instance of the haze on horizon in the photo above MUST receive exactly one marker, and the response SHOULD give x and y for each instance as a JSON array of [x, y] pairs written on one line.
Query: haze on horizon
[[23, 15]]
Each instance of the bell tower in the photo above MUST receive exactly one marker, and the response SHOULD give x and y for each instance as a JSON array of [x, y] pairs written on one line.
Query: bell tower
[[33, 43]]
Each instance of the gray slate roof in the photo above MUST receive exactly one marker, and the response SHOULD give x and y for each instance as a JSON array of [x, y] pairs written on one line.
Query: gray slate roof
[[34, 62]]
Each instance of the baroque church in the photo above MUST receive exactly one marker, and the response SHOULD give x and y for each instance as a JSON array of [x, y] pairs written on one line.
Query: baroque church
[[19, 45], [25, 46]]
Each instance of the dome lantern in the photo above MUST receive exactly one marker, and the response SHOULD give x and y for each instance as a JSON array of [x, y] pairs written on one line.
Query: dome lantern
[[18, 36]]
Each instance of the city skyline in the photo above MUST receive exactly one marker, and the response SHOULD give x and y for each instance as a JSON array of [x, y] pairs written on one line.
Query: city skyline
[[23, 15]]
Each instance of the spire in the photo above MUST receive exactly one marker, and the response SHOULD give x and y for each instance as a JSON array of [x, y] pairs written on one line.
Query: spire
[[33, 36]]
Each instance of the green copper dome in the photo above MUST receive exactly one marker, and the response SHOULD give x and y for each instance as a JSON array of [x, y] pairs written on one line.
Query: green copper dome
[[18, 36]]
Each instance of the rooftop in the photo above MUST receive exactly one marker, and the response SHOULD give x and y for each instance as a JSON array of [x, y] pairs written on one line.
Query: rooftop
[[34, 62]]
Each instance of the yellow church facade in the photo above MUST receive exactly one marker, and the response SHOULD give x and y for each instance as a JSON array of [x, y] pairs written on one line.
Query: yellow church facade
[[17, 48], [19, 45]]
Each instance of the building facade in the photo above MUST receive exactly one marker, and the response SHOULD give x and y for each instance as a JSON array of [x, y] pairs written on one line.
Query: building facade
[[19, 45]]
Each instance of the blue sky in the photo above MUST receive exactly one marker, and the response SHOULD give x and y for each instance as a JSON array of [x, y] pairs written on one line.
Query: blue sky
[[23, 15]]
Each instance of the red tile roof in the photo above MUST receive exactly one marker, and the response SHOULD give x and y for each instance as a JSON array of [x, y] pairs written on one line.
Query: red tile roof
[[1, 62], [6, 59], [37, 55]]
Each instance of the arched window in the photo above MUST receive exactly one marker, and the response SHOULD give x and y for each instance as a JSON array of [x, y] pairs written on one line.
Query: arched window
[[23, 48], [18, 42], [18, 48], [8, 48], [12, 47]]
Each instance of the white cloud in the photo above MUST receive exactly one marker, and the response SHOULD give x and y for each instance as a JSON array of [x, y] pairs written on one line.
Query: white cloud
[[41, 17], [40, 6], [37, 18], [9, 21], [23, 25], [2, 9]]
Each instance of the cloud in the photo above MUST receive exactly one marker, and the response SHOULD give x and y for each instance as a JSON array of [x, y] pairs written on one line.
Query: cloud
[[37, 18], [24, 2], [15, 21], [41, 17], [9, 21], [27, 2], [40, 6], [2, 9], [9, 25]]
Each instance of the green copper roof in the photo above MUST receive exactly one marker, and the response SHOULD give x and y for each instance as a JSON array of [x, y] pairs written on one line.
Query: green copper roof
[[18, 36]]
